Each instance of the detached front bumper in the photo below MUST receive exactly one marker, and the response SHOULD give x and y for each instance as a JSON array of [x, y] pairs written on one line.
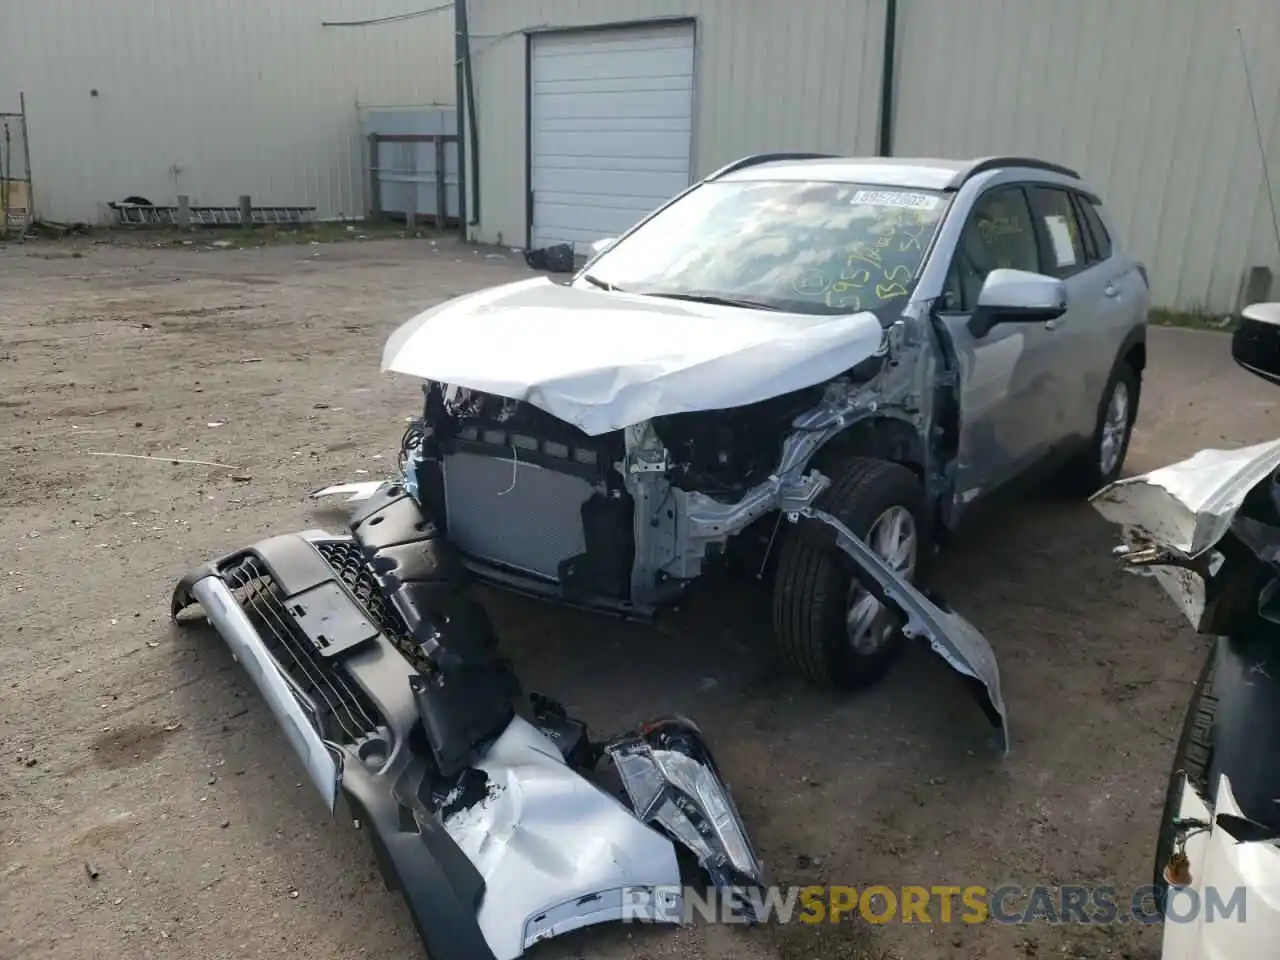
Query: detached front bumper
[[286, 608], [386, 682]]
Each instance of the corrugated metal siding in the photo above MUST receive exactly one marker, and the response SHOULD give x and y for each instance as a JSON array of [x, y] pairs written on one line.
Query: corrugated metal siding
[[212, 99], [768, 76], [1145, 98]]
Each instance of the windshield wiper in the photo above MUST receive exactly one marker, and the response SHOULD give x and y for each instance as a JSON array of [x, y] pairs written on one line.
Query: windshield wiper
[[718, 300], [597, 282]]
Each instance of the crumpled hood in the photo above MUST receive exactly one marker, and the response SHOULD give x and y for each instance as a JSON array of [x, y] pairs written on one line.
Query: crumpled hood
[[604, 360]]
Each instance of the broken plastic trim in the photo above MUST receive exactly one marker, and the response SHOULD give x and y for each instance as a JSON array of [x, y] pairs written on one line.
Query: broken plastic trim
[[356, 492], [949, 635], [672, 781]]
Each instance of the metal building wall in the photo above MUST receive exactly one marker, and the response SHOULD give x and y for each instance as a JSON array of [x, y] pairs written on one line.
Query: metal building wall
[[1146, 98], [769, 75], [212, 99]]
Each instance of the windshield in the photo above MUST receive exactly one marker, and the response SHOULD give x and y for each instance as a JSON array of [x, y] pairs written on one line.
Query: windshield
[[800, 246]]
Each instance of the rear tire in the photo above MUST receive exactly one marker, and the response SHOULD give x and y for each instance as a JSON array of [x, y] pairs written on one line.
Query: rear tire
[[823, 625], [1102, 462]]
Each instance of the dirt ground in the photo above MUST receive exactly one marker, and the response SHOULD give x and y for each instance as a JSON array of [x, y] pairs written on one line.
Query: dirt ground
[[140, 751]]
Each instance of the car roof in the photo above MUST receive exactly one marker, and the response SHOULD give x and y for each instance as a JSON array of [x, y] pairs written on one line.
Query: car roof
[[921, 174]]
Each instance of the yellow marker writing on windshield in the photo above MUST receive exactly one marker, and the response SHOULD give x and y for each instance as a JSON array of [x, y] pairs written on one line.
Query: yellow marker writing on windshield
[[911, 239], [810, 283], [863, 252], [838, 302], [887, 291]]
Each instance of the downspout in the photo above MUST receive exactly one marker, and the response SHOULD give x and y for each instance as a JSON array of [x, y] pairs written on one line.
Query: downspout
[[468, 83], [885, 133], [459, 98]]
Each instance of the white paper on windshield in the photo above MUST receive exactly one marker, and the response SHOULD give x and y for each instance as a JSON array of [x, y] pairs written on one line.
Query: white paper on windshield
[[1060, 233], [896, 198]]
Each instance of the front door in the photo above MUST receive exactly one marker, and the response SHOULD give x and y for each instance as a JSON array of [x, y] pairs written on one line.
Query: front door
[[1009, 382]]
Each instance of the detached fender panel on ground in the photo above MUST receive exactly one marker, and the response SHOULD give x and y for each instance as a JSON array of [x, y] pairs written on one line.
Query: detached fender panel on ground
[[949, 635]]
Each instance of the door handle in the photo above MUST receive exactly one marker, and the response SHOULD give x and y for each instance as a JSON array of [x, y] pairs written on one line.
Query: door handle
[[1051, 324], [1112, 290]]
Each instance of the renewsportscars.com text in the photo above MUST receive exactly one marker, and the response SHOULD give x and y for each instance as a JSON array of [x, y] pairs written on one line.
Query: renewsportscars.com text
[[937, 904]]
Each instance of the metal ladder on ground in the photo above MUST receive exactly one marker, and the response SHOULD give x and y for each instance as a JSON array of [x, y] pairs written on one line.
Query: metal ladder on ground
[[137, 215]]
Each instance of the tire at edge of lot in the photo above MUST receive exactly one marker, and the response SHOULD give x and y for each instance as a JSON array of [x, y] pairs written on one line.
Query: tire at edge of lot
[[810, 585], [1192, 757]]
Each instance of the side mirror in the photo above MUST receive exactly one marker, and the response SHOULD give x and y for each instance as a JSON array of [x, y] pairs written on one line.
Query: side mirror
[[1017, 296], [1255, 345], [600, 246]]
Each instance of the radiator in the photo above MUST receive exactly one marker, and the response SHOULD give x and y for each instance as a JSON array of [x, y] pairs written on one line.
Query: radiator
[[521, 516]]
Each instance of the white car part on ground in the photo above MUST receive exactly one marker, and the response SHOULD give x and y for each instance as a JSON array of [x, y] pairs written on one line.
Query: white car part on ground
[[354, 492], [556, 852], [1202, 920]]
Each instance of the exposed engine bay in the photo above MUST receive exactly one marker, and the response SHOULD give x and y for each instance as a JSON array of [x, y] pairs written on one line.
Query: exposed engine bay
[[724, 453], [528, 497], [721, 453]]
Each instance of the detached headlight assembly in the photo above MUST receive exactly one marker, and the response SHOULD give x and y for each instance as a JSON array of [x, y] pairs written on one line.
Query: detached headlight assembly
[[672, 781]]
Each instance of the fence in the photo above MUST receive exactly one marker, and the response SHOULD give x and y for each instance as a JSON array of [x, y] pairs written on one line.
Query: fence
[[410, 176], [15, 172]]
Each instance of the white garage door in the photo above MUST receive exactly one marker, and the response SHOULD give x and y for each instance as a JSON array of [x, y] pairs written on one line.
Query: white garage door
[[611, 126]]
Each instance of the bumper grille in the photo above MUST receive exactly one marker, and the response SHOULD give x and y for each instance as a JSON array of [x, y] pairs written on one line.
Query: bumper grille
[[343, 712], [347, 561]]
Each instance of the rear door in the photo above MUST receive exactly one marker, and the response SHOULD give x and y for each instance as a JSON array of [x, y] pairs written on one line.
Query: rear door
[[1007, 377], [1068, 252], [1127, 292]]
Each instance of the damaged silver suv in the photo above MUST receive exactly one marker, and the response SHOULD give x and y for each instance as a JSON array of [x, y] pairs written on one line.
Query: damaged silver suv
[[867, 348]]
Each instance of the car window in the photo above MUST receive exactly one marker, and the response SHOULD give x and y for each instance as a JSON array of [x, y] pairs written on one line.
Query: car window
[[1086, 235], [1062, 248], [1097, 229], [802, 246], [999, 235]]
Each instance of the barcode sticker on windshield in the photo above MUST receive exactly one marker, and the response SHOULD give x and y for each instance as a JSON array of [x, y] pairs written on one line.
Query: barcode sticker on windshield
[[896, 198]]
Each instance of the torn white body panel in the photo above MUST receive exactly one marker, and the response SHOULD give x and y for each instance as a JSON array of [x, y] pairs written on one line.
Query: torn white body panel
[[1189, 505], [556, 852], [604, 360], [1231, 883], [1179, 513]]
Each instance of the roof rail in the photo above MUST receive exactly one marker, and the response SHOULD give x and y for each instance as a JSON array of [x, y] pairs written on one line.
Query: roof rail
[[757, 158], [983, 164]]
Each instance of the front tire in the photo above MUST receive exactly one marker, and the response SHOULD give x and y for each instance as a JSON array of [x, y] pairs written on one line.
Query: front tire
[[827, 627]]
